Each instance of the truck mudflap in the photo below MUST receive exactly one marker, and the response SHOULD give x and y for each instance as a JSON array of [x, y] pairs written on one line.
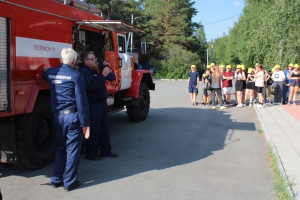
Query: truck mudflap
[[8, 152]]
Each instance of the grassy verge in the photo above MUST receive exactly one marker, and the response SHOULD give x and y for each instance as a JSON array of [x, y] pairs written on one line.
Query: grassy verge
[[281, 184]]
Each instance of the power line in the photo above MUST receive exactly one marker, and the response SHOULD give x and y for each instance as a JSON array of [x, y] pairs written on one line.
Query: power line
[[221, 20]]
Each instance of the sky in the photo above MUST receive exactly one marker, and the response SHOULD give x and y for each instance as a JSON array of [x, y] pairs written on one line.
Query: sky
[[217, 16]]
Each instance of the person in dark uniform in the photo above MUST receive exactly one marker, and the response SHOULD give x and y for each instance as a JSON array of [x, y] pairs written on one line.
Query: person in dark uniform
[[95, 79], [71, 118]]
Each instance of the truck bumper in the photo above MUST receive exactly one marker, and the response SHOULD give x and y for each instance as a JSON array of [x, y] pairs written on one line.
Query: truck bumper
[[8, 153]]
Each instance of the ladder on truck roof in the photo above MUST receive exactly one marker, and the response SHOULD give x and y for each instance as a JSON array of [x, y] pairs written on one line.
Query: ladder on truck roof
[[82, 5], [111, 25]]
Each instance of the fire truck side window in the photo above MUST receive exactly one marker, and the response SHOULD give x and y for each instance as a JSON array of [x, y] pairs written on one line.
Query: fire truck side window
[[87, 40], [121, 44], [109, 46]]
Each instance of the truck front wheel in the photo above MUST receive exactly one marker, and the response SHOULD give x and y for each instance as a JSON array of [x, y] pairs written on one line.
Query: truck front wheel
[[36, 140], [138, 109]]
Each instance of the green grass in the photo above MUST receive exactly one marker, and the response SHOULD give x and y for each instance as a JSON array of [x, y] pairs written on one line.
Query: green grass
[[281, 184]]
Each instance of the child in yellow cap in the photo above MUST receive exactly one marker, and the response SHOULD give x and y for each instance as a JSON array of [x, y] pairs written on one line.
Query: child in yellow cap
[[250, 86], [193, 84], [286, 85], [206, 80], [295, 81]]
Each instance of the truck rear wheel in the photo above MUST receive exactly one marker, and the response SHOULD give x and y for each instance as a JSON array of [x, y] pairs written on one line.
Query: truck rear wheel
[[36, 140], [138, 109]]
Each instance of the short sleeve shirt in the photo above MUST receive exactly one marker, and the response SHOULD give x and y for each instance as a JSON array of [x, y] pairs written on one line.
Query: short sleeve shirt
[[193, 78], [278, 76], [227, 83]]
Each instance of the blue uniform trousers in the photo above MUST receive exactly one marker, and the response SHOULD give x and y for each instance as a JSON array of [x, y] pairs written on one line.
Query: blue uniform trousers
[[99, 131], [68, 152]]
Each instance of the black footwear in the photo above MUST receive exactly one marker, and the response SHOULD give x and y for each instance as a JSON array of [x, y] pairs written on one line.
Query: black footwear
[[97, 158], [56, 185], [73, 186], [110, 154]]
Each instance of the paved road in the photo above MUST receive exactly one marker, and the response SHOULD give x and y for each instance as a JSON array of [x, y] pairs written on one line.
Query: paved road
[[180, 152]]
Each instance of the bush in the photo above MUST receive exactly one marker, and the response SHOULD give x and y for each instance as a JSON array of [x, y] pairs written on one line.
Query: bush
[[176, 63]]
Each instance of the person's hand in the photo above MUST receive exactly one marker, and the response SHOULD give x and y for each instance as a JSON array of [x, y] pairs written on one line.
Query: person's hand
[[106, 71], [197, 86], [86, 132], [106, 63]]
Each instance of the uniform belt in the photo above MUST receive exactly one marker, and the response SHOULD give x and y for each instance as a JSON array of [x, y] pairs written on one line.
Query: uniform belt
[[68, 111]]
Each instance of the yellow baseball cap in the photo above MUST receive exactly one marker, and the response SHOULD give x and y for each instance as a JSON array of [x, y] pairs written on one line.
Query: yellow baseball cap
[[296, 66], [222, 66], [238, 66], [273, 69], [243, 67], [277, 66], [228, 66], [291, 65], [250, 70], [212, 64], [208, 67], [193, 66], [256, 64]]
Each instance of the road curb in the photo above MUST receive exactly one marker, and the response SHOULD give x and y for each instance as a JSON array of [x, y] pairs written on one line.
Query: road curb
[[271, 142]]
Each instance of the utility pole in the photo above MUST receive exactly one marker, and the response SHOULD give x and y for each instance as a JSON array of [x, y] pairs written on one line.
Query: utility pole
[[206, 56], [131, 42]]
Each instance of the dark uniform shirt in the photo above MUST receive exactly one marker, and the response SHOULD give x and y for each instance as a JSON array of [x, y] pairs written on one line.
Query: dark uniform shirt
[[67, 90], [95, 85]]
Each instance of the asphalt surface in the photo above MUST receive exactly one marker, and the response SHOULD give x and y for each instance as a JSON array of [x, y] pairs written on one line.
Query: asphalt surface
[[180, 152]]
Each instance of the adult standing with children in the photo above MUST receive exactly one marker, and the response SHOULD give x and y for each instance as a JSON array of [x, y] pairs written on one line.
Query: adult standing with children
[[278, 78]]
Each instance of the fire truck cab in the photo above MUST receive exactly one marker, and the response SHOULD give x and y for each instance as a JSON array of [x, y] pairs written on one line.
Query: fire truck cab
[[32, 34]]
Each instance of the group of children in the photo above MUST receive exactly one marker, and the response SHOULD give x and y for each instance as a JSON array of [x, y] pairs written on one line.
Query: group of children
[[252, 83]]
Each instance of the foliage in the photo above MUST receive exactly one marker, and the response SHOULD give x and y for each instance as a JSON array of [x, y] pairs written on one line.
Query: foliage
[[169, 32], [177, 62], [267, 32]]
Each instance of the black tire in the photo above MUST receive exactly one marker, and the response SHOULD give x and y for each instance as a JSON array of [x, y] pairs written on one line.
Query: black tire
[[138, 109], [36, 140]]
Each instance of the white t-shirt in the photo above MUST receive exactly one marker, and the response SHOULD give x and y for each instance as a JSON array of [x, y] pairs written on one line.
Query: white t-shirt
[[278, 76], [260, 80]]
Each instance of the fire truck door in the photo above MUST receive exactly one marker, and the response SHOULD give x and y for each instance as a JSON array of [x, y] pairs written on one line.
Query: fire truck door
[[126, 78]]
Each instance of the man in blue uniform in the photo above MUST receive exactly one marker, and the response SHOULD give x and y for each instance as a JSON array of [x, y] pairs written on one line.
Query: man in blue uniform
[[95, 79], [71, 118]]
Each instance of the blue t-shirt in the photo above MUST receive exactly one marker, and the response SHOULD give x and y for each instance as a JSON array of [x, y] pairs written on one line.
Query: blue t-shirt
[[193, 78], [286, 74]]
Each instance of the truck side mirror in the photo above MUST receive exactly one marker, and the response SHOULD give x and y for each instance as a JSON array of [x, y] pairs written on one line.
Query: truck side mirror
[[143, 47]]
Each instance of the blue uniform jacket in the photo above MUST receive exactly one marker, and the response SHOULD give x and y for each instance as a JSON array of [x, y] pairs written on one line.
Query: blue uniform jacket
[[95, 85], [67, 90]]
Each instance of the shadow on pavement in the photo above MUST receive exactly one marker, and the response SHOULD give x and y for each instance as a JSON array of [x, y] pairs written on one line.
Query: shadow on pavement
[[168, 138]]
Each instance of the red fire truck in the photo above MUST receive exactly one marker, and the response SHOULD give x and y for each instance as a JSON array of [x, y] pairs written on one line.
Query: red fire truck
[[32, 34]]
